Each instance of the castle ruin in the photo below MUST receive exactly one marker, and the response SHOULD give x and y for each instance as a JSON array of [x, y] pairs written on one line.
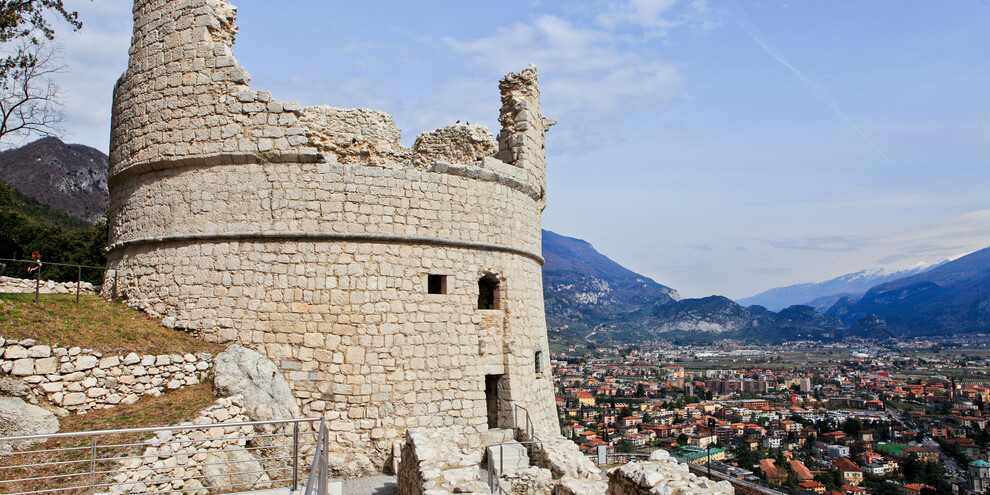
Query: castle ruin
[[396, 288]]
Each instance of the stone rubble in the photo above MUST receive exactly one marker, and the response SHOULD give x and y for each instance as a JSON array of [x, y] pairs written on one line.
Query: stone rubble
[[77, 380], [13, 285], [662, 475]]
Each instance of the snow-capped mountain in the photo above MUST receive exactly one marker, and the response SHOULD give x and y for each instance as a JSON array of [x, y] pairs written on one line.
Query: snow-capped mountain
[[823, 295]]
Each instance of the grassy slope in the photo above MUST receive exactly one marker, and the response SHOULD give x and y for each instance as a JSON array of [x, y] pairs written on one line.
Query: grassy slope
[[168, 409], [94, 324], [108, 328]]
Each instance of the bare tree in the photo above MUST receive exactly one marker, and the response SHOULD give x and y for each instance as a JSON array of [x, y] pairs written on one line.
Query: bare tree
[[30, 101]]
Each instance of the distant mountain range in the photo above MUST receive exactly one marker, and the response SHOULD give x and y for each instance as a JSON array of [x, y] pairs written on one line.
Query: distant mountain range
[[823, 295], [71, 178], [590, 297], [950, 298]]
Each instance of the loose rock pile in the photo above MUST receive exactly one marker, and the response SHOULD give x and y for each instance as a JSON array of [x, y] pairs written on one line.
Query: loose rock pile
[[662, 475], [198, 459], [76, 379], [22, 286], [438, 461]]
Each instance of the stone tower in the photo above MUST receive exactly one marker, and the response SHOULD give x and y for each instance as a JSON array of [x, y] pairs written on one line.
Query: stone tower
[[394, 287]]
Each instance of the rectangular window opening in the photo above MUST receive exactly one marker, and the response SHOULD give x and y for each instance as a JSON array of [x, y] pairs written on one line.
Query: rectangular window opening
[[436, 284], [538, 357]]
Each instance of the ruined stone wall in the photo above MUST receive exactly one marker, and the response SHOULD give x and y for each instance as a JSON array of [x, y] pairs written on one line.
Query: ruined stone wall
[[309, 234]]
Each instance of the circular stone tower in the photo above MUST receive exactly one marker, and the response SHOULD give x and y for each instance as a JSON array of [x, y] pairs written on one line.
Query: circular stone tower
[[394, 287]]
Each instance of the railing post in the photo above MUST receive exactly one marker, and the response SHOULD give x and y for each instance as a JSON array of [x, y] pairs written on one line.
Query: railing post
[[37, 284], [295, 457], [114, 298], [92, 468], [78, 284]]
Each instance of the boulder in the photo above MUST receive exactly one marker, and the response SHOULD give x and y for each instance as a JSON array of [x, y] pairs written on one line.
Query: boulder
[[20, 418], [14, 387], [267, 396]]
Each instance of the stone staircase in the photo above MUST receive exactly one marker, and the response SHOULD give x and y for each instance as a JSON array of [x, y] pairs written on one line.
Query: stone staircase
[[510, 457]]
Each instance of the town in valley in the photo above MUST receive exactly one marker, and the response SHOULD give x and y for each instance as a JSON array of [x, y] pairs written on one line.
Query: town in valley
[[905, 416]]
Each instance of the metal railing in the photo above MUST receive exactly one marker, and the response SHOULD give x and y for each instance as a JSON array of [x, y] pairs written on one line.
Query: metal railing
[[320, 469], [495, 473], [42, 264], [528, 429], [243, 455], [528, 434]]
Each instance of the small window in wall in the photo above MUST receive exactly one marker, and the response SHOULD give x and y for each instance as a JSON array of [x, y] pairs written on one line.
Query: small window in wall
[[436, 284], [538, 359], [488, 292]]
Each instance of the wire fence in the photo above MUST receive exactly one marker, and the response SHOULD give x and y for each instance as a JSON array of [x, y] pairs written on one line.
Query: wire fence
[[62, 271], [43, 270], [214, 458]]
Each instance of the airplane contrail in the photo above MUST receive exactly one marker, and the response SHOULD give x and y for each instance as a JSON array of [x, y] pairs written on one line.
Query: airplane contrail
[[754, 32]]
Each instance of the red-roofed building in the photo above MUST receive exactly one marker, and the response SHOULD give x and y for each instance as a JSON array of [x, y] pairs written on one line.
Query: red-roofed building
[[812, 486]]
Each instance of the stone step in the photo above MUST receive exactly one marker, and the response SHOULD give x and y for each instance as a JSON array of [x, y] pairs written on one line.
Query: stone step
[[497, 435], [510, 457]]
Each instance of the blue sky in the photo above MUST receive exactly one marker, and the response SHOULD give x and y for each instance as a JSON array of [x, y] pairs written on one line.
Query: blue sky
[[717, 147]]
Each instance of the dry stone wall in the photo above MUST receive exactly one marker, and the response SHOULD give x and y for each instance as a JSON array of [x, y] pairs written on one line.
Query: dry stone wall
[[13, 285], [311, 235], [196, 460], [78, 380]]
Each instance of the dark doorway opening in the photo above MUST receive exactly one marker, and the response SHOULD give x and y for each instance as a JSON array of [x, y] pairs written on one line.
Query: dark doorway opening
[[491, 398], [488, 292]]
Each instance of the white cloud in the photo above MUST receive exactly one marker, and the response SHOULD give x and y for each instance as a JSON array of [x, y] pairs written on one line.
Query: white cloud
[[584, 70], [658, 15], [94, 58]]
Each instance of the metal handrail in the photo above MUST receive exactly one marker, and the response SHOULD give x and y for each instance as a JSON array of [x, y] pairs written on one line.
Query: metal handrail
[[37, 275], [155, 429], [103, 456], [318, 473], [493, 473]]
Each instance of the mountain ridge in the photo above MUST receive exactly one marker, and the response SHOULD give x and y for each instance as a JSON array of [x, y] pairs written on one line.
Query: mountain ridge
[[71, 178]]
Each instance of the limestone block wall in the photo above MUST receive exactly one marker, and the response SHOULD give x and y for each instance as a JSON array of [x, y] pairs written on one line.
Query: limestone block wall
[[312, 234], [78, 380]]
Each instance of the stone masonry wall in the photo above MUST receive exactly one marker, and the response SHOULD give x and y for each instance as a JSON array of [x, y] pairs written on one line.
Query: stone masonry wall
[[78, 380], [309, 234]]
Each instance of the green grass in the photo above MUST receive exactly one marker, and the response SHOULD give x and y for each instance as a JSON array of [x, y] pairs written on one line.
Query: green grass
[[108, 327]]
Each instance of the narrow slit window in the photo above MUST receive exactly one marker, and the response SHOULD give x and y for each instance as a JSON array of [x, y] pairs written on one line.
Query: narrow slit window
[[538, 360], [436, 284], [488, 292]]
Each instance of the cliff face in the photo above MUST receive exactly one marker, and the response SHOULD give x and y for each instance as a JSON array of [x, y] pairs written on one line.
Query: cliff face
[[71, 178]]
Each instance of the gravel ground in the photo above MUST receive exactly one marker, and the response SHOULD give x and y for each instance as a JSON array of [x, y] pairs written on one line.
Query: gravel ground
[[372, 485]]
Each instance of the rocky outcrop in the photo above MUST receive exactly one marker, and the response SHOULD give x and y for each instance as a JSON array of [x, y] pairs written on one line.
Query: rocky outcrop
[[662, 475], [19, 418], [267, 394]]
